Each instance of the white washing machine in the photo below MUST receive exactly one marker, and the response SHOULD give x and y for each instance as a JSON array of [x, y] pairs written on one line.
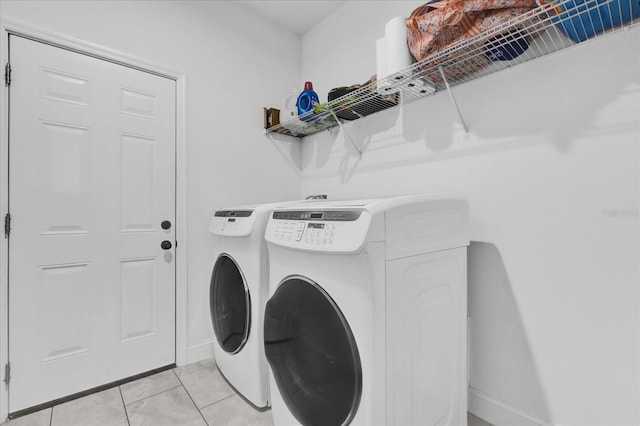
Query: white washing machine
[[237, 295], [366, 318]]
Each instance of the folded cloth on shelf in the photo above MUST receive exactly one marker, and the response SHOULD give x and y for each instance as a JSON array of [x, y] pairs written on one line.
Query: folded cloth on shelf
[[450, 32]]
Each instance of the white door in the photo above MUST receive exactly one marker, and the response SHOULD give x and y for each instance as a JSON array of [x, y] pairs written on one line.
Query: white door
[[92, 177]]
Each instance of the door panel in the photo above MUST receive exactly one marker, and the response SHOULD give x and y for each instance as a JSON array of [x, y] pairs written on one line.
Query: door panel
[[64, 330], [137, 180], [92, 176], [63, 169]]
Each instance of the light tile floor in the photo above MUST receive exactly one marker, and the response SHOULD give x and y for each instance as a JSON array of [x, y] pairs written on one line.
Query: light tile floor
[[193, 395]]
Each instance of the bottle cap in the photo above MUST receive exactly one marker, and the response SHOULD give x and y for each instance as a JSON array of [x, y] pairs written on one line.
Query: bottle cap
[[308, 85]]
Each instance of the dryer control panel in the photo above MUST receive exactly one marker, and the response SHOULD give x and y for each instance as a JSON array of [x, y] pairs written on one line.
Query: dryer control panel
[[328, 230], [232, 223]]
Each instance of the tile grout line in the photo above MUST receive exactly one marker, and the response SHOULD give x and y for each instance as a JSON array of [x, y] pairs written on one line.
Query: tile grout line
[[149, 396], [220, 400], [124, 406], [189, 395]]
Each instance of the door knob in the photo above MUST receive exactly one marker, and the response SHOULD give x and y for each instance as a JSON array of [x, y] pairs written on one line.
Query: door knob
[[165, 224], [166, 245]]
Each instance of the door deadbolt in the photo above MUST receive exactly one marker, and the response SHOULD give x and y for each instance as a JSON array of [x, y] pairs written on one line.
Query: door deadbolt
[[165, 224]]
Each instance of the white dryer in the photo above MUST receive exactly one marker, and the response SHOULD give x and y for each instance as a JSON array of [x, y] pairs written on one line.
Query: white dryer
[[366, 320], [237, 295]]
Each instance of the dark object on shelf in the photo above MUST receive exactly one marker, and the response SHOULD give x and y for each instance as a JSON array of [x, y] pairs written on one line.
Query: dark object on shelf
[[505, 47], [361, 102], [581, 19], [271, 117]]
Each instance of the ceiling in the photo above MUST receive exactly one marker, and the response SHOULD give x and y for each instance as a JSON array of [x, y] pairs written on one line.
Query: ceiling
[[297, 16]]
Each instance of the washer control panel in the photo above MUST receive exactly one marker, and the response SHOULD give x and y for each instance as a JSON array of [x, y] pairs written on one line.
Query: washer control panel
[[308, 232], [331, 230], [232, 223]]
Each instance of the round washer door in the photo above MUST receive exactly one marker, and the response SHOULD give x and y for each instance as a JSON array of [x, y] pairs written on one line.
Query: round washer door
[[230, 305], [312, 353]]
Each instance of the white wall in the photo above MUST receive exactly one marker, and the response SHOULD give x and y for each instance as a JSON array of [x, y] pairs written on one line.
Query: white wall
[[235, 64], [551, 170]]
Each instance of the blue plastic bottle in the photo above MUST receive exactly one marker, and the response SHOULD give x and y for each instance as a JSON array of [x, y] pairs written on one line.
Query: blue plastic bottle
[[307, 100]]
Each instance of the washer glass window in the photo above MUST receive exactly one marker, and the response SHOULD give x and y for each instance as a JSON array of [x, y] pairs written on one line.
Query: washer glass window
[[230, 305], [312, 353]]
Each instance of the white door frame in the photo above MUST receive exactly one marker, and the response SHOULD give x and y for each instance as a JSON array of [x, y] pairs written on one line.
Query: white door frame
[[8, 27]]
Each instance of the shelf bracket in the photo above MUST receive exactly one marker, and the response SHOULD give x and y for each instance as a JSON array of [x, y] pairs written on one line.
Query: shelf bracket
[[345, 133], [453, 99]]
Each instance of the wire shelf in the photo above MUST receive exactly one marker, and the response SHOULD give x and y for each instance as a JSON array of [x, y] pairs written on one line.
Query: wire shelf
[[551, 27]]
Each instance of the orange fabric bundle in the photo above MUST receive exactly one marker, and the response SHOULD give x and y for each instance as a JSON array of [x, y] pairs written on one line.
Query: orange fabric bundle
[[435, 26]]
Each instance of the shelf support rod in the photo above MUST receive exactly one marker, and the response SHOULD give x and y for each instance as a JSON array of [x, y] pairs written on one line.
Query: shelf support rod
[[345, 133], [453, 99]]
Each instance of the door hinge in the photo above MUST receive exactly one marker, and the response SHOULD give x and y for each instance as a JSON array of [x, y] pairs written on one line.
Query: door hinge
[[7, 74], [7, 225], [7, 373]]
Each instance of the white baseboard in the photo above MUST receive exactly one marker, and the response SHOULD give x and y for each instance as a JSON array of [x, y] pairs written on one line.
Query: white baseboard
[[501, 413], [200, 351]]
